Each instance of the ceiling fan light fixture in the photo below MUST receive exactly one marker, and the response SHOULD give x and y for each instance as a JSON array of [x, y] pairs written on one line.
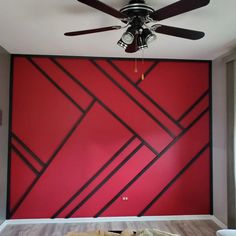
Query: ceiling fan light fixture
[[142, 44], [148, 36], [122, 44], [128, 37]]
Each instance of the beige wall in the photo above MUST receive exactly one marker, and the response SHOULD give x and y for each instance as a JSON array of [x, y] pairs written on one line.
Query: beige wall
[[219, 139], [231, 141], [4, 106]]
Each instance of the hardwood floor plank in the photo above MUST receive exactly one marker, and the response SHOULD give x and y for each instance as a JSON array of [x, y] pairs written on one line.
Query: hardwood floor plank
[[183, 227]]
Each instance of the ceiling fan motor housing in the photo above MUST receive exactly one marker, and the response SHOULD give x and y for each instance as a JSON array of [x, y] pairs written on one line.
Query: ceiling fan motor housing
[[137, 8]]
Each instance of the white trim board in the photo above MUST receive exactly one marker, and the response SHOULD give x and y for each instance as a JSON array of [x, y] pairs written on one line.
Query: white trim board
[[3, 225], [230, 56], [219, 223], [111, 219]]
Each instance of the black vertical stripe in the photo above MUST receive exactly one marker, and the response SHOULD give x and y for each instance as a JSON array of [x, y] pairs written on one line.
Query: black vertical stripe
[[211, 138], [8, 208]]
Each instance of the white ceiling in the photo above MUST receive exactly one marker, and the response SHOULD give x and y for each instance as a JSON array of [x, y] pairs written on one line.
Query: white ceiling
[[37, 27]]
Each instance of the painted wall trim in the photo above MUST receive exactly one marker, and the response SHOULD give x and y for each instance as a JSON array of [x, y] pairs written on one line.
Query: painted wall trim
[[116, 58], [230, 56], [219, 139], [109, 219], [112, 219], [3, 225], [219, 223]]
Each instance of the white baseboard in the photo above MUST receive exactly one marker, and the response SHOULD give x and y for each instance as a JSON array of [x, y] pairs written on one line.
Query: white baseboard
[[111, 219], [3, 225], [219, 223]]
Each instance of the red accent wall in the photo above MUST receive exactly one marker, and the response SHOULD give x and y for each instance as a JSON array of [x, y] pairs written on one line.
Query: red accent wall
[[88, 132]]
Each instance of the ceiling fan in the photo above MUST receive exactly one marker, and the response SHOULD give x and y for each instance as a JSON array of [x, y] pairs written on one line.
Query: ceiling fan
[[137, 15]]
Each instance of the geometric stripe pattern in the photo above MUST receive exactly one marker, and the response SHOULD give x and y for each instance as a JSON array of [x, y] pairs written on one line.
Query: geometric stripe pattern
[[87, 132]]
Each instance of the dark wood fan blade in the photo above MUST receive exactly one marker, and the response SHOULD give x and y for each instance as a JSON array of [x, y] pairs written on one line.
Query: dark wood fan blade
[[91, 31], [133, 47], [178, 32], [104, 8], [178, 8]]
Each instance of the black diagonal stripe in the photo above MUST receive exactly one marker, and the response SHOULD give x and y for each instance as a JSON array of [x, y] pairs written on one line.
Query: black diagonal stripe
[[147, 72], [94, 176], [105, 180], [198, 118], [69, 134], [72, 77], [57, 64], [150, 164], [187, 166], [36, 158], [145, 94], [133, 99], [193, 106], [104, 106], [128, 127], [24, 159], [55, 84]]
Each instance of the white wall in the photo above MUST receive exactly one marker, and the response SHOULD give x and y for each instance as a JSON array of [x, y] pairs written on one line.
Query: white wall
[[219, 140], [4, 106]]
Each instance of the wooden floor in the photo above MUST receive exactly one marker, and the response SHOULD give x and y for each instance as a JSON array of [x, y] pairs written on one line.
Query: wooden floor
[[184, 228]]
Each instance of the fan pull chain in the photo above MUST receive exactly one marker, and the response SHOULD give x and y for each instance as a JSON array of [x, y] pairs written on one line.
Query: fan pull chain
[[142, 65], [135, 65], [142, 76]]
